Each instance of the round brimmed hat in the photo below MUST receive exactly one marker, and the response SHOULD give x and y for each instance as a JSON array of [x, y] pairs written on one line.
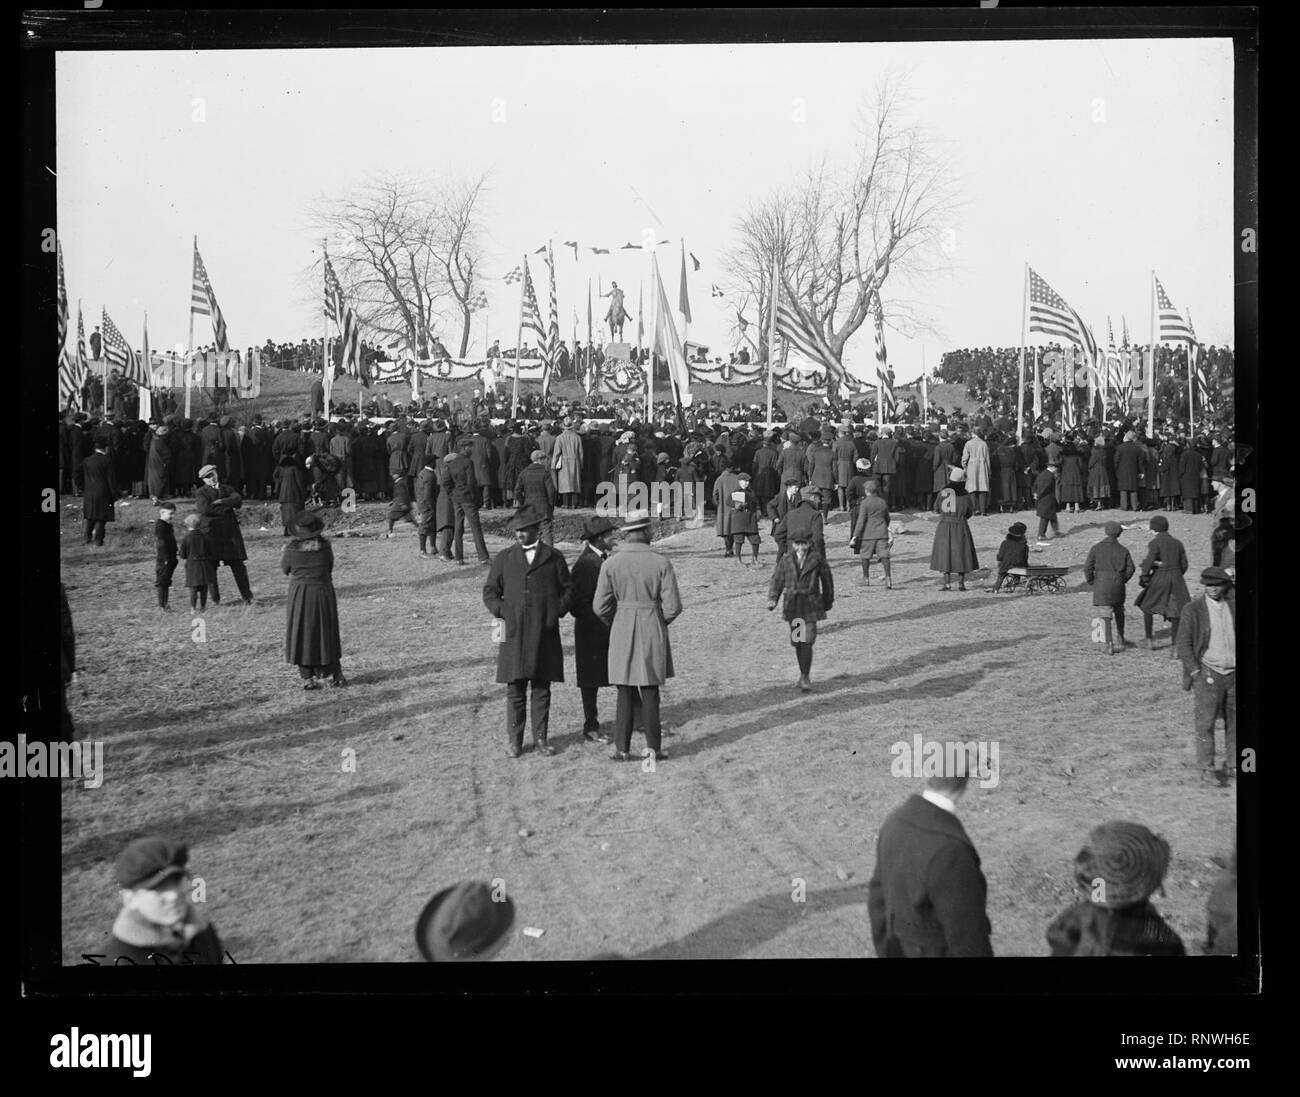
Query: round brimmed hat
[[149, 861], [636, 519], [1127, 858], [594, 526], [526, 517], [1017, 529], [207, 470], [1215, 577], [463, 922], [307, 524]]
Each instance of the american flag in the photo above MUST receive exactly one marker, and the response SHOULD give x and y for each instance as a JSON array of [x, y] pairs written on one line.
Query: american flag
[[203, 302], [73, 369], [1198, 367], [63, 299], [1117, 369], [345, 319], [530, 317], [1173, 328], [804, 336], [888, 401], [119, 353], [552, 344], [1049, 313]]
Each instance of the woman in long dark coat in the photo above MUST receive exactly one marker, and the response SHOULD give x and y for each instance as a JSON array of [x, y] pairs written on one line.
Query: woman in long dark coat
[[954, 547], [158, 465], [1101, 485], [312, 639], [1164, 590], [519, 447], [1191, 466], [368, 464], [183, 465], [1168, 472], [1008, 478], [1072, 477]]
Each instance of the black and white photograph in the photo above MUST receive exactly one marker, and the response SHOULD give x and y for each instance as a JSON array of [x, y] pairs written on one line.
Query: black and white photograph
[[621, 496]]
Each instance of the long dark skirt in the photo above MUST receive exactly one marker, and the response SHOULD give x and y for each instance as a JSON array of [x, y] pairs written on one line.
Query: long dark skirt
[[954, 547], [312, 637]]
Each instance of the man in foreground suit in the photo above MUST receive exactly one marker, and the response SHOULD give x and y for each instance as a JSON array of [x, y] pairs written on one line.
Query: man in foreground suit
[[927, 894]]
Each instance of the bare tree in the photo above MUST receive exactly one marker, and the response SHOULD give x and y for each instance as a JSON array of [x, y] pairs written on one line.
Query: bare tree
[[407, 255], [839, 234]]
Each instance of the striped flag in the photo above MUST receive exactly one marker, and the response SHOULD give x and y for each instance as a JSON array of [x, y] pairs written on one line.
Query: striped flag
[[63, 299], [803, 335], [349, 328], [119, 353], [1049, 314], [203, 302], [1201, 381], [591, 377], [888, 401], [684, 297], [73, 368], [1173, 328]]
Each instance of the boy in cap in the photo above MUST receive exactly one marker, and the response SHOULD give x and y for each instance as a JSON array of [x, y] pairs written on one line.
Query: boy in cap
[[804, 577], [164, 540], [1012, 553], [1207, 647], [200, 567], [1108, 568], [157, 923], [743, 504], [1119, 869], [870, 535], [400, 507]]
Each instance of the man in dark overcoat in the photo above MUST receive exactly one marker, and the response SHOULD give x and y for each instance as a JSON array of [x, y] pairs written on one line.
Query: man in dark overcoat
[[213, 450], [1108, 568], [216, 505], [590, 633], [1045, 505], [1129, 458], [927, 894], [100, 491], [528, 590]]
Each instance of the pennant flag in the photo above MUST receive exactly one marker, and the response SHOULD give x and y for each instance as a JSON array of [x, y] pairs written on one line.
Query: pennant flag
[[666, 342], [62, 290], [1049, 314], [684, 298], [349, 328], [600, 251], [591, 376], [574, 245], [1173, 328], [803, 335], [541, 251], [633, 247], [74, 367], [694, 260], [885, 376], [514, 276], [714, 291], [203, 302], [119, 353]]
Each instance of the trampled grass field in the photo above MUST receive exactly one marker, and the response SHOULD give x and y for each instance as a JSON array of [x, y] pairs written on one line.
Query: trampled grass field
[[216, 743]]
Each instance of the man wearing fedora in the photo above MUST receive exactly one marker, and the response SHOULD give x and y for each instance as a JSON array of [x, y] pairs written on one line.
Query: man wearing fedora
[[637, 596], [566, 461], [927, 894], [590, 633], [157, 923], [529, 589], [1207, 647], [535, 489]]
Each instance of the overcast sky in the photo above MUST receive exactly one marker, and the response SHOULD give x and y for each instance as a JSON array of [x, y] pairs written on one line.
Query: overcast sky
[[1094, 162]]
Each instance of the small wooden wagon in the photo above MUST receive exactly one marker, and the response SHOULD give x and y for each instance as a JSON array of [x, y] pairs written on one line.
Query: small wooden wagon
[[1037, 579]]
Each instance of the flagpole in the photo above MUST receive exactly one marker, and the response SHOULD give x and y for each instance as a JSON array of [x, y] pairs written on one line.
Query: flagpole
[[771, 341], [650, 372], [514, 400], [925, 391], [1038, 387], [1151, 369], [1024, 338], [189, 353]]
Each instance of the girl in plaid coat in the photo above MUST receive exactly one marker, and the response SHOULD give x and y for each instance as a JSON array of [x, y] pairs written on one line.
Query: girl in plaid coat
[[804, 577]]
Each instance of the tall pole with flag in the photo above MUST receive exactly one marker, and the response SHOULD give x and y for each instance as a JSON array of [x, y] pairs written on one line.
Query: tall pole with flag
[[1191, 384], [519, 341], [684, 305], [145, 411], [327, 367], [771, 339], [1024, 339], [189, 353], [1151, 367], [925, 389], [650, 370], [593, 381]]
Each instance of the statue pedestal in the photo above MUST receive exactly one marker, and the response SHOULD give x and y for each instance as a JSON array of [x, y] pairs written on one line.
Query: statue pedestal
[[618, 352]]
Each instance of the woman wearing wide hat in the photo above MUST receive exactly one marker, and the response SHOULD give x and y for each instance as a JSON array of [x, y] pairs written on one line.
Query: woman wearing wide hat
[[312, 635], [1164, 591], [1119, 869], [954, 547]]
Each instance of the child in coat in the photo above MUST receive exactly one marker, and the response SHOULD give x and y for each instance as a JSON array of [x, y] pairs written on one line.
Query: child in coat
[[805, 578], [200, 567], [400, 507], [1012, 553], [164, 540], [744, 519], [290, 489]]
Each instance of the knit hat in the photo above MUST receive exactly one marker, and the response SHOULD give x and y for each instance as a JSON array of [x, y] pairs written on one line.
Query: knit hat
[[1126, 859]]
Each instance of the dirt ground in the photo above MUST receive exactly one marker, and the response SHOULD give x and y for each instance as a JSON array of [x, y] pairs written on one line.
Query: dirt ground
[[216, 743]]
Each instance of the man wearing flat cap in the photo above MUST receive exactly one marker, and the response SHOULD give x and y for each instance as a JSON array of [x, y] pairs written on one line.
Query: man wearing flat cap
[[1108, 568], [217, 505], [1207, 647], [637, 596], [535, 488], [528, 589], [157, 923], [590, 633]]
